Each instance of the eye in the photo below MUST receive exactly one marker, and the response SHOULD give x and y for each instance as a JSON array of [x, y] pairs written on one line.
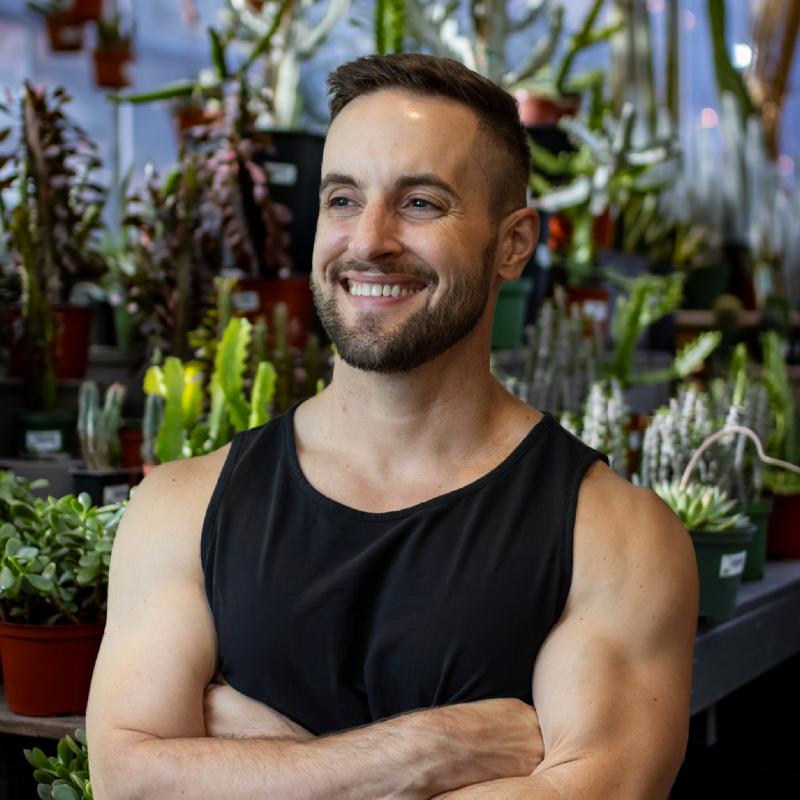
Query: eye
[[339, 202], [421, 204]]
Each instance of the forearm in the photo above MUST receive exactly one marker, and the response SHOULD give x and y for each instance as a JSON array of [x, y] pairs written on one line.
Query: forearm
[[533, 787], [394, 758]]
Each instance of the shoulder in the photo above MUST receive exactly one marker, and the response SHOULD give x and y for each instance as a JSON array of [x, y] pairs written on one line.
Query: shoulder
[[168, 508], [632, 555]]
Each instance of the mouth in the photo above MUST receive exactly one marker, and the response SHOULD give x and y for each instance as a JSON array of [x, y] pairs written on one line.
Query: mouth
[[382, 288]]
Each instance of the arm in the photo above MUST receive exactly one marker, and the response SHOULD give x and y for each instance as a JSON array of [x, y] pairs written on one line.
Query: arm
[[145, 720], [612, 682]]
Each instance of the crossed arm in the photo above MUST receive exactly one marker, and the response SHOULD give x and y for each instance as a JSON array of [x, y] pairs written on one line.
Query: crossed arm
[[611, 684]]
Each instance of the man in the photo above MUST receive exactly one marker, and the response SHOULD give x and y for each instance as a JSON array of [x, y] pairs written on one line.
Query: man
[[390, 577]]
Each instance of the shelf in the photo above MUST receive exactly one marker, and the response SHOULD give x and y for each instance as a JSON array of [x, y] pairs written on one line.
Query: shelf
[[45, 727]]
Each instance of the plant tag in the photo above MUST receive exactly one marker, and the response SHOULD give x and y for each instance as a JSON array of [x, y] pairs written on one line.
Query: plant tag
[[43, 441], [246, 301], [732, 565], [595, 310], [281, 173], [115, 493]]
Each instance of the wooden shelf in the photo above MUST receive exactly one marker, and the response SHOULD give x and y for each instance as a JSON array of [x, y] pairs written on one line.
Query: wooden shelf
[[45, 727]]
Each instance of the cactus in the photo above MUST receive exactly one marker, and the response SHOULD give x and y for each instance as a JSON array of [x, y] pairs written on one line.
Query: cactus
[[702, 508], [98, 427], [605, 423], [151, 422]]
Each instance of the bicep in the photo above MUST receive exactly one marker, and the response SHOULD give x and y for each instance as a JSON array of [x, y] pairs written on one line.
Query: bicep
[[158, 650], [612, 682]]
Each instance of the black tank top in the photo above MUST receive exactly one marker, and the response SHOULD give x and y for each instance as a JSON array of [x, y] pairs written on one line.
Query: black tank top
[[337, 617]]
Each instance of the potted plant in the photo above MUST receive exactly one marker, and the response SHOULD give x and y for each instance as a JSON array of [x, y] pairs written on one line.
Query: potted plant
[[64, 28], [53, 586], [64, 776], [50, 240], [720, 536], [742, 400], [102, 477], [784, 533], [113, 53]]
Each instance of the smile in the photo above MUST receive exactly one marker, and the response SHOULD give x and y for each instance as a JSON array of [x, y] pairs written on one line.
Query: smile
[[380, 289]]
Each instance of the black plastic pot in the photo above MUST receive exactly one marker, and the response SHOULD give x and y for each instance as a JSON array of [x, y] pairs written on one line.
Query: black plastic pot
[[43, 434], [294, 169], [105, 486]]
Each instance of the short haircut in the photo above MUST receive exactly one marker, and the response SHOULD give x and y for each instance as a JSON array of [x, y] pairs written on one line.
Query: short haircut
[[499, 125]]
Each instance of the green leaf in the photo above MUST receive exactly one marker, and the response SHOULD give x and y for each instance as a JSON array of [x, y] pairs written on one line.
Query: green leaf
[[263, 394], [7, 579], [36, 758], [65, 792], [696, 352], [229, 367], [44, 585], [27, 553], [64, 752]]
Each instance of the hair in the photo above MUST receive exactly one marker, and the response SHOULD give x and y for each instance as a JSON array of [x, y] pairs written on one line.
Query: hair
[[499, 124]]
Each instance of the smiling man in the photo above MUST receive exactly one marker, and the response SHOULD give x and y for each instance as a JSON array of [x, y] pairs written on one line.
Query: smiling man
[[387, 580]]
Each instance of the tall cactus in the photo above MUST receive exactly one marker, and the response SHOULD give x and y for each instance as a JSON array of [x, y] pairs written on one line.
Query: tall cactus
[[98, 426]]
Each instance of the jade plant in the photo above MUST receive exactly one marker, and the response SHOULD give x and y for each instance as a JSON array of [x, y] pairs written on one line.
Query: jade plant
[[64, 776], [98, 425], [51, 225], [702, 508], [55, 558]]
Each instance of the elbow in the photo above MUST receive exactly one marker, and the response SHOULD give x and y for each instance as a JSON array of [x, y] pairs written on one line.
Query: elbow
[[117, 767]]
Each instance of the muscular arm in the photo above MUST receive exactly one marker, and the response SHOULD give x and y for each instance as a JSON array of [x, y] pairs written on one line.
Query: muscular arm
[[145, 720], [612, 682]]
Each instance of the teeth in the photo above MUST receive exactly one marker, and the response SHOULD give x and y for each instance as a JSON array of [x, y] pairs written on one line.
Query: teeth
[[379, 290]]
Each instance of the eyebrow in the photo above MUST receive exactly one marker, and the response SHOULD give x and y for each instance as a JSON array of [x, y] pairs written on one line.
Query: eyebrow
[[404, 182]]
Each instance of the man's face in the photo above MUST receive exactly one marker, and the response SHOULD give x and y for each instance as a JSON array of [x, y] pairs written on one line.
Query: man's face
[[404, 252]]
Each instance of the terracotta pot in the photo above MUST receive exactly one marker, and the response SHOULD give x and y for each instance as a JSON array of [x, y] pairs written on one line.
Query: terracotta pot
[[535, 109], [257, 297], [64, 32], [48, 668], [131, 439], [109, 67], [70, 348], [86, 10], [783, 535]]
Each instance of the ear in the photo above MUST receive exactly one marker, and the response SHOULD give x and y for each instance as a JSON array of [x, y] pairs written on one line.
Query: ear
[[518, 238]]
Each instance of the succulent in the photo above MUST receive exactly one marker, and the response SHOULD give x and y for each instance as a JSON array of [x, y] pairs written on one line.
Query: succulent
[[55, 558], [64, 776], [702, 508], [98, 427], [605, 423]]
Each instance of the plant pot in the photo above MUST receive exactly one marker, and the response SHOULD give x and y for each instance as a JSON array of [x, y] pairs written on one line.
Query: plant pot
[[783, 536], [594, 303], [104, 486], [43, 434], [257, 297], [758, 512], [294, 168], [48, 668], [536, 109], [73, 328], [509, 315], [87, 10], [705, 284], [109, 67], [64, 32], [130, 439], [721, 560]]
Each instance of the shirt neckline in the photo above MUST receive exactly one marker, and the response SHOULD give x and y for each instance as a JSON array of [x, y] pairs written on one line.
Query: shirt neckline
[[448, 497]]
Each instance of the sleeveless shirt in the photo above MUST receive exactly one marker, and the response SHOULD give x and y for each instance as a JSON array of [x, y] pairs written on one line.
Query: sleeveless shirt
[[337, 617]]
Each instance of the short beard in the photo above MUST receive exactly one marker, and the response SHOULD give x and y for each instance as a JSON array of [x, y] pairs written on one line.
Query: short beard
[[427, 334]]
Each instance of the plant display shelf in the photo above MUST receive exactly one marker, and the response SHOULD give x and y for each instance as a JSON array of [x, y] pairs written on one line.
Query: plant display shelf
[[44, 727], [764, 631]]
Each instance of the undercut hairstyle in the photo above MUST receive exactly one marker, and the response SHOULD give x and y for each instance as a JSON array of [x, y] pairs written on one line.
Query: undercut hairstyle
[[501, 135]]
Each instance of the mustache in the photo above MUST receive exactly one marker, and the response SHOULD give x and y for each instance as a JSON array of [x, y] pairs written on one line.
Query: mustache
[[421, 271]]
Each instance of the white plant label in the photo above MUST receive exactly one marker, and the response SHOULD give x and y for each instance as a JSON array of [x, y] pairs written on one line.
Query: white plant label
[[43, 441], [116, 493], [244, 302], [282, 174], [732, 565]]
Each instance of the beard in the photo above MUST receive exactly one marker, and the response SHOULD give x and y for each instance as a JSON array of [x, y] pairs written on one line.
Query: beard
[[427, 334]]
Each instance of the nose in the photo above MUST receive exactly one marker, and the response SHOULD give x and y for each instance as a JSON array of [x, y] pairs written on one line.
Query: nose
[[376, 234]]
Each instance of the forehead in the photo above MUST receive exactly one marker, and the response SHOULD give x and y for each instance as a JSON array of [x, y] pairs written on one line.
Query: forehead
[[389, 133]]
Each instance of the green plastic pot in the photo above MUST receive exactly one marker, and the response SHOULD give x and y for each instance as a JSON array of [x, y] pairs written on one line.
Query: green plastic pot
[[43, 434], [758, 512], [721, 557], [509, 316]]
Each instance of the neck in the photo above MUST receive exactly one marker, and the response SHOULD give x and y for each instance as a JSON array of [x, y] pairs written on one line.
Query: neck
[[440, 410]]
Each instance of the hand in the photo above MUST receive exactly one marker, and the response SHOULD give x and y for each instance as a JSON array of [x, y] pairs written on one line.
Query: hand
[[487, 740], [229, 713]]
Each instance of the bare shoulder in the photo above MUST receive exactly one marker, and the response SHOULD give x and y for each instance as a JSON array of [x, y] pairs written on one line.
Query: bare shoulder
[[168, 508], [630, 551]]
